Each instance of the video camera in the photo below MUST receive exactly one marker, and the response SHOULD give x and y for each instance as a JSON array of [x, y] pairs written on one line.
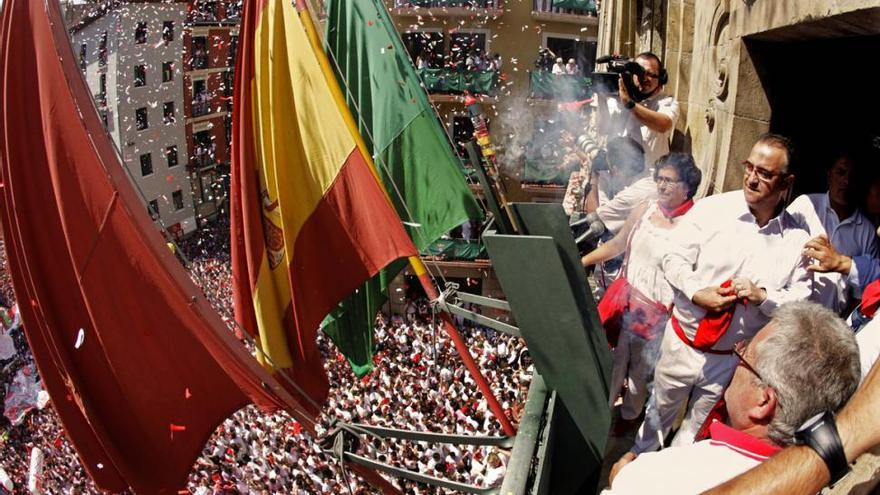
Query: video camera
[[606, 82]]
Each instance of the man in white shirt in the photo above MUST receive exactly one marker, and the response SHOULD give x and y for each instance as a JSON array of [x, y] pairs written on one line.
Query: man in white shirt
[[649, 121], [804, 362], [558, 67], [742, 238], [834, 215]]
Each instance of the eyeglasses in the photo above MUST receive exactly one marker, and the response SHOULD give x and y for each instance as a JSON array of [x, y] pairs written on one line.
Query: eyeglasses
[[763, 174], [739, 349], [666, 181]]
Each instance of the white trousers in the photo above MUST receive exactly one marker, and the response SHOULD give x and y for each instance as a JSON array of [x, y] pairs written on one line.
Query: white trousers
[[683, 375], [633, 363]]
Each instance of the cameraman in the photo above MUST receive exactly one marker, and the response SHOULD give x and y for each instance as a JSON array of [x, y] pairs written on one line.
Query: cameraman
[[649, 121]]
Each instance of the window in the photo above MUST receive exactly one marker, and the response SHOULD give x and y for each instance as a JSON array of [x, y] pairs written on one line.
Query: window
[[201, 101], [153, 209], [425, 48], [146, 165], [464, 47], [141, 119], [207, 183], [462, 132], [140, 75], [102, 90], [168, 112], [233, 51], [233, 10], [167, 71], [171, 156], [177, 198], [140, 33], [102, 50], [83, 51], [203, 149], [199, 52], [168, 31]]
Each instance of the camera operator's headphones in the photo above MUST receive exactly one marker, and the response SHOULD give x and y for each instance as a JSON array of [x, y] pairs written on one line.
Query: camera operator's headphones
[[663, 76]]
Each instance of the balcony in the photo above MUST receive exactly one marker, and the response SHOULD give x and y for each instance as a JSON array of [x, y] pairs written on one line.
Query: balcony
[[559, 87], [456, 82], [447, 8], [581, 12], [200, 107]]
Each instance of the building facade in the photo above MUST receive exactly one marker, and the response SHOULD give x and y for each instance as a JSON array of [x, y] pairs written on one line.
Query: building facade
[[445, 37], [210, 47], [740, 68], [131, 55]]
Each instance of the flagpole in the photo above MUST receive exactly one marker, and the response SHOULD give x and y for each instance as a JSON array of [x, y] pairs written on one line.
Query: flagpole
[[464, 353], [415, 262]]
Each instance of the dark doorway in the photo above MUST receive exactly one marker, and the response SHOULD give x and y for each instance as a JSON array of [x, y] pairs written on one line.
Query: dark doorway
[[428, 45], [822, 97]]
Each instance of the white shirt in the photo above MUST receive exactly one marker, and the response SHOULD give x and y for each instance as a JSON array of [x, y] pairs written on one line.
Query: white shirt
[[558, 68], [615, 207], [868, 339], [644, 266], [854, 236], [693, 468], [719, 240], [625, 124]]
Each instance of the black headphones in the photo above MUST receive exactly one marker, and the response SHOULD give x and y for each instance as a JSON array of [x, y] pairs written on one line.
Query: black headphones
[[663, 76]]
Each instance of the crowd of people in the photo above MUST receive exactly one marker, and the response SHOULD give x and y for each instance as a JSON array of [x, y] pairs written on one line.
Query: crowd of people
[[418, 383], [470, 59], [548, 61]]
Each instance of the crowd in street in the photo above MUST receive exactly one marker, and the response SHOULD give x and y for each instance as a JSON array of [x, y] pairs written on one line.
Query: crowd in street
[[418, 383]]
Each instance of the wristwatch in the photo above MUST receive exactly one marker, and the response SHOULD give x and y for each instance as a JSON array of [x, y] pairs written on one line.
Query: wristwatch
[[820, 434], [630, 104]]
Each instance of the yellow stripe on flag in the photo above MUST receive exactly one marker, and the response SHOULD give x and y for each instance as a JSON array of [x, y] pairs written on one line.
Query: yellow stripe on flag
[[301, 137]]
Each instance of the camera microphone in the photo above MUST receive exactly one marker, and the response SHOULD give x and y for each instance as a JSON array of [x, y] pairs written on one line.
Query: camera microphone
[[604, 59]]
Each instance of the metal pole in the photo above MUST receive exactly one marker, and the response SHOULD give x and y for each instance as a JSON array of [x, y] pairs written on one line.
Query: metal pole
[[460, 346]]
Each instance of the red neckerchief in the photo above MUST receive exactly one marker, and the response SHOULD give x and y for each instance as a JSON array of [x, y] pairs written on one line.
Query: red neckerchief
[[676, 212], [870, 299], [741, 443], [713, 326]]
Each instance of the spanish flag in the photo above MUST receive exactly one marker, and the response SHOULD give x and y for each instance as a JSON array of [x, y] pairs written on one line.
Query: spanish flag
[[310, 221]]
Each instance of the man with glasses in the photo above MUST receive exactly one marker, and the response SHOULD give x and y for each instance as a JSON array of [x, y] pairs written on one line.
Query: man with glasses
[[833, 219], [733, 259], [649, 121], [803, 363]]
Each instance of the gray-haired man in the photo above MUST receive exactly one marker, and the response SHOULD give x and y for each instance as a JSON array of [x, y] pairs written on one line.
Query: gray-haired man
[[802, 363]]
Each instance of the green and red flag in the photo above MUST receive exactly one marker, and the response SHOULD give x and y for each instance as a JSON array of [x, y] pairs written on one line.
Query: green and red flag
[[412, 153]]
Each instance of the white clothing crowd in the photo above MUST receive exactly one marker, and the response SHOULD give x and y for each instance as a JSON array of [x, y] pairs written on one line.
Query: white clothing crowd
[[419, 383]]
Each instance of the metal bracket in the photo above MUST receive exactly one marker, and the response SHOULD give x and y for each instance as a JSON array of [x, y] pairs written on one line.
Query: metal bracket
[[451, 294], [345, 438]]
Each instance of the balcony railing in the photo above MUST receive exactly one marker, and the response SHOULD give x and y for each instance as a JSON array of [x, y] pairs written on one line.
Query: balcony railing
[[201, 107], [457, 82], [561, 87], [574, 7], [202, 161]]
